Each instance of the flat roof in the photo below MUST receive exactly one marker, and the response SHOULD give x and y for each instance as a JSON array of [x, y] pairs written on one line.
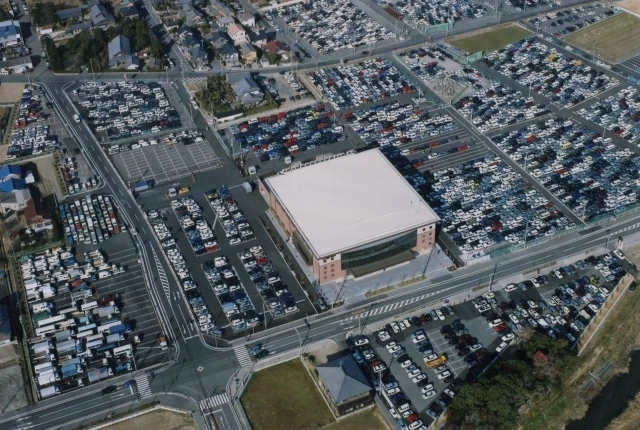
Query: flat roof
[[349, 201]]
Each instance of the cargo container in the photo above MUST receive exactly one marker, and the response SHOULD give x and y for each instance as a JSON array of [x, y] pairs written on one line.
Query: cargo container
[[47, 392], [97, 375], [119, 328]]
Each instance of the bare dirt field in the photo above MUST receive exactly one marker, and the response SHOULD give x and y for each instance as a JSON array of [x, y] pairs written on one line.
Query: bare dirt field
[[631, 6], [47, 175], [62, 3], [12, 388], [155, 420], [10, 92], [617, 38]]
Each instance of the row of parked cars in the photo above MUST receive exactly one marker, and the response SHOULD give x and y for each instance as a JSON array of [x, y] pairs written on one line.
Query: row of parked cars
[[483, 202], [565, 81], [199, 308], [185, 137], [565, 22], [125, 109], [421, 13], [231, 294], [577, 297], [395, 124], [331, 25], [31, 140], [617, 113], [274, 292], [236, 227], [195, 227], [288, 133], [498, 106], [589, 174], [365, 82]]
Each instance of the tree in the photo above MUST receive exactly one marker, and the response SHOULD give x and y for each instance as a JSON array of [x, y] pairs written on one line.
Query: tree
[[156, 49], [3, 14], [143, 40], [44, 14]]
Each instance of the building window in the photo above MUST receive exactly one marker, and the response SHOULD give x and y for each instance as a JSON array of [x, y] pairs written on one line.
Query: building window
[[379, 251]]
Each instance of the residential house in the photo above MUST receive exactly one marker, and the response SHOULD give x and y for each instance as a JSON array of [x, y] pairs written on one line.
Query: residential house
[[259, 38], [248, 53], [198, 56], [247, 90], [17, 64], [77, 28], [127, 9], [191, 16], [344, 384], [237, 34], [170, 24], [276, 48], [121, 54], [228, 54], [225, 21], [14, 201], [70, 14], [9, 33], [34, 218], [217, 39], [217, 9], [100, 17], [247, 19]]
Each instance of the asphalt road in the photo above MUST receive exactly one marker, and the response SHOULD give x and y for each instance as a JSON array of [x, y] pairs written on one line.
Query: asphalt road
[[198, 372]]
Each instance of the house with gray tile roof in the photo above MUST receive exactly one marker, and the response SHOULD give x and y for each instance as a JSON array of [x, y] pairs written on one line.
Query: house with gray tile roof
[[100, 17], [344, 384], [121, 54]]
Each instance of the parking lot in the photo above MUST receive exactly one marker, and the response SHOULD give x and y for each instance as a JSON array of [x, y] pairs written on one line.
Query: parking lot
[[122, 110], [423, 13], [565, 81], [165, 162], [330, 25], [287, 133], [567, 21], [397, 124], [587, 173], [617, 113], [365, 82]]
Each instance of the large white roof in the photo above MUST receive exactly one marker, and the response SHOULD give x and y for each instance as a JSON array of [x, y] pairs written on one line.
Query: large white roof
[[349, 201]]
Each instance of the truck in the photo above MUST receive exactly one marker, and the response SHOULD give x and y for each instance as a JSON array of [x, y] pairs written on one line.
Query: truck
[[47, 392], [247, 187], [119, 329], [106, 311], [70, 370], [163, 342], [229, 307], [96, 375], [113, 338], [436, 362]]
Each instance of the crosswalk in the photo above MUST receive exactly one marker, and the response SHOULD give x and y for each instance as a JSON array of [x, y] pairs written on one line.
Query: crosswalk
[[142, 382], [162, 275], [212, 402], [631, 227], [391, 307], [242, 354]]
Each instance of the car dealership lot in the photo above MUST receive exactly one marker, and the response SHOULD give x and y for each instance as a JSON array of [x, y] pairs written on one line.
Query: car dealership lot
[[120, 110], [484, 202], [567, 21], [365, 82], [287, 133], [587, 173], [617, 113], [564, 80], [423, 13], [164, 162], [331, 25]]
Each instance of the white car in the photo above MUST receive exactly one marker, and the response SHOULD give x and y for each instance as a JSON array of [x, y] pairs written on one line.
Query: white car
[[510, 287], [444, 374], [490, 295], [429, 394], [440, 314], [414, 373], [475, 347], [419, 338], [618, 254], [495, 323], [507, 337], [76, 118], [384, 335], [501, 347], [406, 364], [362, 341], [391, 345], [426, 388], [449, 392], [418, 378], [558, 274]]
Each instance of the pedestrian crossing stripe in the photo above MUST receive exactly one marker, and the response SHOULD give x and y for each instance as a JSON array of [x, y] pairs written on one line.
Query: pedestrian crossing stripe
[[162, 275], [213, 401], [391, 307], [242, 354], [142, 382]]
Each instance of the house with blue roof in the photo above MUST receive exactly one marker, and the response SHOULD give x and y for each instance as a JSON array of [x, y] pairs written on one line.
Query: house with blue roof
[[10, 171]]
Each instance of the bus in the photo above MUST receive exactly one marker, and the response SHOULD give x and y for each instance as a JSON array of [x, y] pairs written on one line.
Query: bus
[[51, 320], [88, 306]]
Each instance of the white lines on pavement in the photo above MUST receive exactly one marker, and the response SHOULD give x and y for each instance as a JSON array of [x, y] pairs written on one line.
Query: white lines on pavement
[[144, 390], [162, 275], [631, 227], [212, 402], [391, 307], [242, 354]]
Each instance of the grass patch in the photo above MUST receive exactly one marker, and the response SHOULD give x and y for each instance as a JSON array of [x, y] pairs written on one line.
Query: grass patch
[[411, 281], [612, 342], [618, 38], [369, 419], [379, 291], [490, 40], [284, 397]]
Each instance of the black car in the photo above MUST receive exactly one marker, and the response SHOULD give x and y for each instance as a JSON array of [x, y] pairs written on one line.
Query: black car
[[464, 351], [110, 389], [261, 354], [445, 329], [449, 379], [416, 321]]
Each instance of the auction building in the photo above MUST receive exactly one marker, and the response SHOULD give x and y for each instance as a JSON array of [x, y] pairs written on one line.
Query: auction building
[[351, 215]]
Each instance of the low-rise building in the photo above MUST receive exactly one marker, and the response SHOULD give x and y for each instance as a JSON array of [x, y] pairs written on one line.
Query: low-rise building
[[121, 54], [100, 17], [247, 90], [343, 383], [247, 19], [237, 34], [248, 53], [127, 9], [10, 33]]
